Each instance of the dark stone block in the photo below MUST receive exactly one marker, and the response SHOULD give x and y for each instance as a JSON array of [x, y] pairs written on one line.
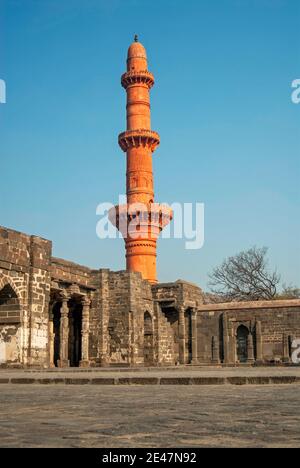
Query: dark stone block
[[50, 381], [103, 381], [22, 380], [175, 381], [258, 380], [4, 381], [208, 380], [237, 380], [76, 381]]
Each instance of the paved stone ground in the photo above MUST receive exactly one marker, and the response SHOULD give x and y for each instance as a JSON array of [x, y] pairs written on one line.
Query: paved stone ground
[[149, 416]]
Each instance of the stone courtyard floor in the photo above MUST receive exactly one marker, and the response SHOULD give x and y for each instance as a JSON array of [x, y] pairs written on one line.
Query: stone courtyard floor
[[149, 416], [135, 415]]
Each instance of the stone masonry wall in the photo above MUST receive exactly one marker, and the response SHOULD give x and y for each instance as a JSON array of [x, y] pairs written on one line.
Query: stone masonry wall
[[279, 320], [24, 265]]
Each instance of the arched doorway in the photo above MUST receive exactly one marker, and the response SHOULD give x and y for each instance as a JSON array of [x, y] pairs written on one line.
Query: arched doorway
[[148, 340], [242, 343], [10, 320]]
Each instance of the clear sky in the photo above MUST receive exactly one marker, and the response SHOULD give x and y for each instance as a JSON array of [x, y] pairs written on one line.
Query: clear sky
[[222, 104]]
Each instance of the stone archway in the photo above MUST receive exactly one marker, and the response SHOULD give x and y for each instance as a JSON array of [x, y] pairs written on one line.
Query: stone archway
[[148, 340], [242, 343], [10, 326]]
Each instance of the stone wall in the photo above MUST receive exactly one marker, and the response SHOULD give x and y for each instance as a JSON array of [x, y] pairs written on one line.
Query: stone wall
[[24, 267], [49, 305], [272, 325]]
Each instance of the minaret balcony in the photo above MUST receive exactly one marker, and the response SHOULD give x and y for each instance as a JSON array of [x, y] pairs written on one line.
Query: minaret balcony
[[135, 77], [136, 138], [139, 220]]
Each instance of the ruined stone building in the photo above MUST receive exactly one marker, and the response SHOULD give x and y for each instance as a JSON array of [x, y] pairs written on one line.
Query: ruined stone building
[[56, 313]]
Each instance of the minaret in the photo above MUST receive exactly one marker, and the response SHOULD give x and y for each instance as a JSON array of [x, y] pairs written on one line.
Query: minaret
[[141, 220]]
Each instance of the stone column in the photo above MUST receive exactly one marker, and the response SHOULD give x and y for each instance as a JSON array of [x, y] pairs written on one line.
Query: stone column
[[225, 340], [194, 337], [215, 350], [85, 327], [51, 336], [232, 343], [64, 334], [250, 349], [285, 346], [259, 347], [181, 334]]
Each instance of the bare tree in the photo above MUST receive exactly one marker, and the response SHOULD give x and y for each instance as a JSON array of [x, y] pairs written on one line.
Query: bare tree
[[245, 277], [289, 292]]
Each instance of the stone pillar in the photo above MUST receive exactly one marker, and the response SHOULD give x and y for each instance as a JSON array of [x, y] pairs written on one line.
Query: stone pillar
[[157, 332], [225, 340], [232, 343], [285, 346], [215, 350], [194, 337], [181, 334], [85, 327], [64, 334], [51, 337], [250, 349], [259, 347]]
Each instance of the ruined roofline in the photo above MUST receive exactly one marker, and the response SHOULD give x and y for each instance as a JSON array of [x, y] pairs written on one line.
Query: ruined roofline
[[24, 234], [280, 303], [173, 284], [57, 261], [68, 263]]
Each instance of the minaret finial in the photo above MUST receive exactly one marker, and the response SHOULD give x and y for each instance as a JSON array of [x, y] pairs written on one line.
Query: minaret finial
[[136, 38]]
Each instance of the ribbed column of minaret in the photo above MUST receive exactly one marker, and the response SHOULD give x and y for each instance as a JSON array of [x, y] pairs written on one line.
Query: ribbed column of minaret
[[139, 142]]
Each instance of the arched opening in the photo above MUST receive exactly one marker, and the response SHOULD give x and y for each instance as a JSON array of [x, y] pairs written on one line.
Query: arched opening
[[242, 343], [10, 320], [148, 340]]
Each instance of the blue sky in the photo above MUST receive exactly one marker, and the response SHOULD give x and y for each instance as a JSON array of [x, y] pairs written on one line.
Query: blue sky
[[222, 105]]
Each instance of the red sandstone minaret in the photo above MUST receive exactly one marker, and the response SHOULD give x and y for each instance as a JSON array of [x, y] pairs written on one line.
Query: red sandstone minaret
[[141, 220]]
